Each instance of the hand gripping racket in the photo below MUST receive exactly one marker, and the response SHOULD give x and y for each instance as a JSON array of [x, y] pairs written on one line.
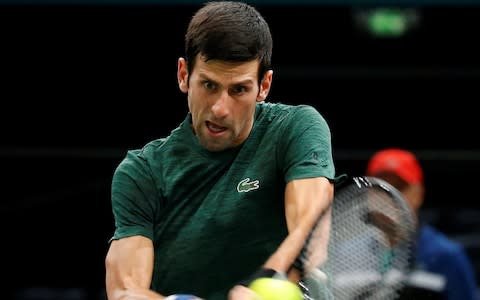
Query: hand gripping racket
[[370, 245]]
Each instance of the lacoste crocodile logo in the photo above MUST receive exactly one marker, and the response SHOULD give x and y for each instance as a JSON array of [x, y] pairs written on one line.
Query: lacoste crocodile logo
[[246, 185]]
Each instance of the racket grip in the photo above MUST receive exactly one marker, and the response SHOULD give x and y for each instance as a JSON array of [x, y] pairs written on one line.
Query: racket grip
[[298, 265], [261, 273]]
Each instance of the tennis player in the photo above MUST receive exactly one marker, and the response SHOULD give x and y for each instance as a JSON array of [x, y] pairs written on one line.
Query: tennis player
[[232, 192]]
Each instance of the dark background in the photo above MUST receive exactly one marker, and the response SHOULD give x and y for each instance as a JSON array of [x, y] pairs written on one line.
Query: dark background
[[81, 84]]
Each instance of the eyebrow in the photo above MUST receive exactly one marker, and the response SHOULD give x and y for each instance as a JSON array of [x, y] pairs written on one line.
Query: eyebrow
[[243, 82]]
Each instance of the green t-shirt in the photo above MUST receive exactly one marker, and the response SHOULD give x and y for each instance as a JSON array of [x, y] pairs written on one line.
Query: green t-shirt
[[215, 217]]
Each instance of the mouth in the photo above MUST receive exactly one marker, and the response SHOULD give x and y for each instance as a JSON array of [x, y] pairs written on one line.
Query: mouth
[[214, 129]]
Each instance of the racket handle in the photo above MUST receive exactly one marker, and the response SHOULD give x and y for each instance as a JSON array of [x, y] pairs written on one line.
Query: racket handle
[[298, 264], [261, 273]]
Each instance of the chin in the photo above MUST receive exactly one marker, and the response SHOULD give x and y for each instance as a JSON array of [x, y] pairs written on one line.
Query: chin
[[212, 147], [215, 148]]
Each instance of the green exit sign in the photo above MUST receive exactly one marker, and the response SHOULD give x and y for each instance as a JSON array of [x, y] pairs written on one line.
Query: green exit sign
[[387, 21]]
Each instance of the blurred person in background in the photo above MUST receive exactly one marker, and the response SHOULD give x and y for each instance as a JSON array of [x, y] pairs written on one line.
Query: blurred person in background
[[435, 253]]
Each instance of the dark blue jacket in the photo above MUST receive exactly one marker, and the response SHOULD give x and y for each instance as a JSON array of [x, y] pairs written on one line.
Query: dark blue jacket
[[438, 254]]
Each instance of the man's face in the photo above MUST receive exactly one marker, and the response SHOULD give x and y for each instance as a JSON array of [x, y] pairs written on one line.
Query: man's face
[[221, 98], [386, 216]]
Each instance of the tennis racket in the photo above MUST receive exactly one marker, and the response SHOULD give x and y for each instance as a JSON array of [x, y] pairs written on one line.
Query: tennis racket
[[370, 245]]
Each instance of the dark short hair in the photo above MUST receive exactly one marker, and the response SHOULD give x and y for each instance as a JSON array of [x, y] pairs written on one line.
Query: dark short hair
[[229, 31]]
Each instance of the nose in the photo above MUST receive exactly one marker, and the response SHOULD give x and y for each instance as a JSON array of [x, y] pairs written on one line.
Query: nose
[[220, 106]]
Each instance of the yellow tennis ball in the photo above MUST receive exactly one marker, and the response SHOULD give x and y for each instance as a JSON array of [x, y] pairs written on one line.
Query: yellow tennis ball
[[276, 289]]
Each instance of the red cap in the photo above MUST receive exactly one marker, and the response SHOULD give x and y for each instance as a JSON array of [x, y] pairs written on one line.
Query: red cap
[[400, 162]]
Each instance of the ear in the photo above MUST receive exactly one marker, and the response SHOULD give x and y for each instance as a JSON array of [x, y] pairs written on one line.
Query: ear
[[265, 85], [415, 194], [182, 75]]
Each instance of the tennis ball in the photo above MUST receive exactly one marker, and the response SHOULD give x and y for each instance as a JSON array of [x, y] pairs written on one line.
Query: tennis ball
[[276, 289]]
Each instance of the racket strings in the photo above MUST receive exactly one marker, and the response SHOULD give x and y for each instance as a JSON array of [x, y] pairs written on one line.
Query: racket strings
[[369, 248]]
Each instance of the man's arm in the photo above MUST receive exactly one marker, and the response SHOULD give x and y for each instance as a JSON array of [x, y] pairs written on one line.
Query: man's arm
[[305, 201], [129, 267]]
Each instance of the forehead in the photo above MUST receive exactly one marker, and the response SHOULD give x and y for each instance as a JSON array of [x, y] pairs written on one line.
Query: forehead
[[226, 71]]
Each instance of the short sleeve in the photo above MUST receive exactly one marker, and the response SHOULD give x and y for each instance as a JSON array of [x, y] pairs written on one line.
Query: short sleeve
[[133, 196], [306, 149]]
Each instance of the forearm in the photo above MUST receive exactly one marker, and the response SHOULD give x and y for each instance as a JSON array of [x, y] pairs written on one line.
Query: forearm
[[307, 202], [282, 259], [129, 266], [121, 285]]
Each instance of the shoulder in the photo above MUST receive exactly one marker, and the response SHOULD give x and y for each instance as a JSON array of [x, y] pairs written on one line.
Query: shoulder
[[141, 156], [301, 113], [434, 241], [441, 254], [289, 108]]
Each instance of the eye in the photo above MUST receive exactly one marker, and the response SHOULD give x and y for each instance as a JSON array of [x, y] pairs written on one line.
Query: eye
[[209, 86], [239, 89]]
